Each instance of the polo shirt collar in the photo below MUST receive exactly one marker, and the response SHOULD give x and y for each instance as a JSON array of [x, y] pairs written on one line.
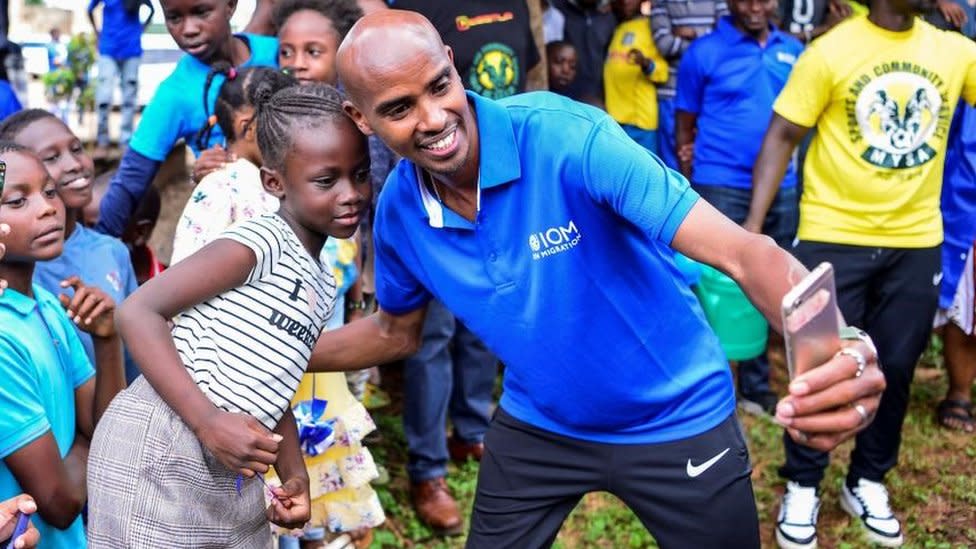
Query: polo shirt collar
[[18, 302], [726, 28], [498, 159]]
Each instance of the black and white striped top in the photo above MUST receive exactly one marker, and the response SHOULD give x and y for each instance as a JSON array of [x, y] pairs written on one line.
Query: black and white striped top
[[248, 348]]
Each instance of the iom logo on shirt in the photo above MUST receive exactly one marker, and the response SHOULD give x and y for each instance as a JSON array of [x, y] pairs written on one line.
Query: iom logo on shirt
[[554, 240]]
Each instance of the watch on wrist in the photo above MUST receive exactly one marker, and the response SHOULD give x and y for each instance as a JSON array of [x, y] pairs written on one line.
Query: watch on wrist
[[854, 333]]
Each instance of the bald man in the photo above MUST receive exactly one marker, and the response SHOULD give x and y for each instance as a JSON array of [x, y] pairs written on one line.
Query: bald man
[[543, 227]]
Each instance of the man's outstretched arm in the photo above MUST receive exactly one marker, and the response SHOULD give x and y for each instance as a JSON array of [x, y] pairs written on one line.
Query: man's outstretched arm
[[824, 406], [379, 338]]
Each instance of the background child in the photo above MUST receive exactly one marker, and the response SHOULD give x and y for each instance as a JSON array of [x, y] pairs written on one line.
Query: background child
[[99, 260], [50, 397], [234, 192], [179, 107], [632, 68], [309, 34], [137, 233], [561, 59], [269, 286]]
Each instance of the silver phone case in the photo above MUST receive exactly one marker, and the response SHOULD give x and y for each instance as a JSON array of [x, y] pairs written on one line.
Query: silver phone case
[[811, 321]]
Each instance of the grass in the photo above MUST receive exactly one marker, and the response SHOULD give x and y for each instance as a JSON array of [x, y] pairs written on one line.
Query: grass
[[933, 489]]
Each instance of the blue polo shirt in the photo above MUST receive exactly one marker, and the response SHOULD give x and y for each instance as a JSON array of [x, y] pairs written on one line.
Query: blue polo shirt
[[42, 362], [99, 260], [121, 32], [731, 82], [176, 109], [566, 274]]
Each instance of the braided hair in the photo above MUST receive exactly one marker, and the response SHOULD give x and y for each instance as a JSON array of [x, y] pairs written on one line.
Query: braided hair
[[280, 113], [236, 92], [342, 13], [11, 126]]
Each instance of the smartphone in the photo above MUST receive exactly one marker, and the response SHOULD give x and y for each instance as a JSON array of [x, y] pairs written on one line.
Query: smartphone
[[811, 321]]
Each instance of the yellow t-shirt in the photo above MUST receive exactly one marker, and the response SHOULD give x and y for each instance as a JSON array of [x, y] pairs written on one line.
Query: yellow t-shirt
[[630, 94], [882, 103]]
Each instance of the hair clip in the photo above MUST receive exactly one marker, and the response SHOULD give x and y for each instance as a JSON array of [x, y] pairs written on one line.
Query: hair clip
[[231, 73]]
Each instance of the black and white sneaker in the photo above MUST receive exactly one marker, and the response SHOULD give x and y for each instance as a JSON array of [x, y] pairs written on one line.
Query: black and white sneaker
[[796, 527], [868, 502]]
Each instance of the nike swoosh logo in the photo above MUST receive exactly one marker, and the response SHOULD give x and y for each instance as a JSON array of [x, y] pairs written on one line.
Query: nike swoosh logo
[[936, 279], [695, 470]]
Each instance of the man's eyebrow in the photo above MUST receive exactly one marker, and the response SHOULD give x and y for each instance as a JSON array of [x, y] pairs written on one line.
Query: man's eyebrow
[[388, 105], [443, 74]]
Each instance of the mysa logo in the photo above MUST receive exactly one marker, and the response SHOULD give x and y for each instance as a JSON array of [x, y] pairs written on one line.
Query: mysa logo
[[554, 240]]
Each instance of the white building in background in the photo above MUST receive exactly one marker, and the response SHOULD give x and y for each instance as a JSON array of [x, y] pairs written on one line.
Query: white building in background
[[30, 29]]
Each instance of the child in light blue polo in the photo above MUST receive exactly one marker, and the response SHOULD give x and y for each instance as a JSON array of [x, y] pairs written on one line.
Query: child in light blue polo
[[50, 395], [42, 362]]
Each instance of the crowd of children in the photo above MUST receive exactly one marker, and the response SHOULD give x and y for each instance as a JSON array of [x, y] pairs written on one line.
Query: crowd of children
[[189, 419]]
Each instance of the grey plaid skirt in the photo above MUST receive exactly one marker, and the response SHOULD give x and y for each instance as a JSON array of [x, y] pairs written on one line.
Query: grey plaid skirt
[[152, 484]]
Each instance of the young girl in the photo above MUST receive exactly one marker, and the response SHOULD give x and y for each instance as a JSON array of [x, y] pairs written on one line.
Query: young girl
[[232, 193], [309, 34], [179, 107], [97, 259], [343, 499], [50, 396], [164, 463]]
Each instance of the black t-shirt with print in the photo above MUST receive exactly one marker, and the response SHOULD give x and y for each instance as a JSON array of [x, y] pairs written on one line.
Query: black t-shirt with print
[[799, 16], [491, 39]]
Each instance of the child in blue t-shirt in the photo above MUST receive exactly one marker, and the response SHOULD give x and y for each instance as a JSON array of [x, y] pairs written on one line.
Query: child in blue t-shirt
[[99, 260], [181, 104], [50, 397]]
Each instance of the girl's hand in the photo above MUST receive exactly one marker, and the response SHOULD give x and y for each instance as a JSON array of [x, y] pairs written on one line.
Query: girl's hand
[[290, 506], [9, 510], [211, 160], [240, 442], [90, 308]]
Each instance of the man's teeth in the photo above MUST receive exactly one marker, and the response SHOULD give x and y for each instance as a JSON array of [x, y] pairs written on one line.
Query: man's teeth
[[443, 143]]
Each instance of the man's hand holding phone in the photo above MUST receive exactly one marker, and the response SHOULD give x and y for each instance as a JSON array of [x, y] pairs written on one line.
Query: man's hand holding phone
[[831, 403], [836, 383]]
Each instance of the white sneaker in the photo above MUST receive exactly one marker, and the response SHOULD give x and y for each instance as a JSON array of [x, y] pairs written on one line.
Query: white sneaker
[[796, 527], [869, 503]]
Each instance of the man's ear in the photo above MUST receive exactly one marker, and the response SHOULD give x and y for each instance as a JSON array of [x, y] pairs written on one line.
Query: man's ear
[[272, 182], [357, 117]]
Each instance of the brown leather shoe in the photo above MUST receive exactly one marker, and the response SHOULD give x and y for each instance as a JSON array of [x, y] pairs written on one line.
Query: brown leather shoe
[[436, 507], [463, 451]]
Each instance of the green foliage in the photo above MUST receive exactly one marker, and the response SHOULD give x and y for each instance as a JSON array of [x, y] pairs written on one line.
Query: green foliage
[[62, 83]]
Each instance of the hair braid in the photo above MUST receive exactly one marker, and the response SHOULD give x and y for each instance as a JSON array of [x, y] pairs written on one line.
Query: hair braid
[[281, 112]]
